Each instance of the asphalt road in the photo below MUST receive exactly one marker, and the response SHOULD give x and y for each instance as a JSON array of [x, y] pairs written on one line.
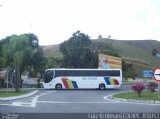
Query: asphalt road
[[74, 101]]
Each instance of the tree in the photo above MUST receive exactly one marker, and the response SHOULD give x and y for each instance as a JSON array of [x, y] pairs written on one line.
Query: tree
[[128, 70], [14, 58], [138, 87], [76, 51], [39, 61], [54, 62], [2, 62], [154, 52], [18, 53], [2, 43], [109, 37], [100, 36], [104, 47], [39, 64]]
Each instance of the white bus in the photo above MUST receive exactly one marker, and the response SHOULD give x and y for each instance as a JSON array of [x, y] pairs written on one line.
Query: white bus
[[82, 78]]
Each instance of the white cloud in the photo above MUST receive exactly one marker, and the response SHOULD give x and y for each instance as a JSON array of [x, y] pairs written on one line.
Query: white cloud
[[54, 21]]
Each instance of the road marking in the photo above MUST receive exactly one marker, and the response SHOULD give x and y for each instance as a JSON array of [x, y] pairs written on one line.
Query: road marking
[[6, 104], [21, 104], [119, 101], [63, 102], [33, 102]]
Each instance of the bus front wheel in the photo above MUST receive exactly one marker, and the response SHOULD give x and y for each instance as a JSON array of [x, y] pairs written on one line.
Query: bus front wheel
[[102, 86], [58, 86]]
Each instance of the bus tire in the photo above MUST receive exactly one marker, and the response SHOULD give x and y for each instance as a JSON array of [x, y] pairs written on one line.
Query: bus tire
[[102, 87], [58, 87]]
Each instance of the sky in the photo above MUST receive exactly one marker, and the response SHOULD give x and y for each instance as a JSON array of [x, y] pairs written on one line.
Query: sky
[[54, 21]]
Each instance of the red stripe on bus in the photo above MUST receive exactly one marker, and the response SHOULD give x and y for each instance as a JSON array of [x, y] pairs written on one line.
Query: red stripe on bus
[[116, 81], [65, 83]]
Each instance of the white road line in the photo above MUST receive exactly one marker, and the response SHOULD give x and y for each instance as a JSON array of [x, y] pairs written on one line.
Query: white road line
[[52, 102], [6, 104], [21, 104], [118, 101], [34, 101]]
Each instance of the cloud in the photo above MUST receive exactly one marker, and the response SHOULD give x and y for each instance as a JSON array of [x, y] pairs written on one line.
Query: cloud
[[54, 21]]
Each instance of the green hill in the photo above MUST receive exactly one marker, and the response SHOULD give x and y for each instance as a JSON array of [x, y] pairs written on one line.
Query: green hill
[[137, 52], [134, 50], [140, 50], [52, 50]]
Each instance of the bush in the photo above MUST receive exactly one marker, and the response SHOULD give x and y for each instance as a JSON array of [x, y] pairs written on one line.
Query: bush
[[32, 73], [38, 83], [138, 87], [152, 86]]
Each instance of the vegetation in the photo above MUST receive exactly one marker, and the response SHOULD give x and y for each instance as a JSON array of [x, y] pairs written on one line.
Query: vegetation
[[21, 53], [39, 63], [138, 87], [128, 70], [139, 51], [154, 52], [77, 52], [136, 58], [152, 86], [81, 52], [104, 46], [54, 62], [146, 95], [4, 94]]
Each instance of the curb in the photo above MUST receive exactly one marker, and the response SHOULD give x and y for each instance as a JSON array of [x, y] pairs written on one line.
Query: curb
[[132, 100], [19, 97], [136, 101]]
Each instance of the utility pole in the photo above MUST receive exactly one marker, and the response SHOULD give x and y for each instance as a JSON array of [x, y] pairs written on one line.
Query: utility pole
[[17, 78], [7, 80]]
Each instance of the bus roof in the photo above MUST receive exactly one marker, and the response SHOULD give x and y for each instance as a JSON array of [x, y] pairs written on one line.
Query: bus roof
[[77, 69]]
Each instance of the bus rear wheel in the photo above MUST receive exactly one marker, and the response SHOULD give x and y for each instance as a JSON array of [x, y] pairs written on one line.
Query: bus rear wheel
[[58, 86], [102, 87]]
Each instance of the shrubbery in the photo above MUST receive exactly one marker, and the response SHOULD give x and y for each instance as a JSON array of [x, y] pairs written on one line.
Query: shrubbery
[[138, 87], [152, 86]]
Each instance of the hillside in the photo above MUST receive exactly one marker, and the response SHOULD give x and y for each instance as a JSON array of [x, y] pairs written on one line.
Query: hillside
[[52, 50], [137, 51]]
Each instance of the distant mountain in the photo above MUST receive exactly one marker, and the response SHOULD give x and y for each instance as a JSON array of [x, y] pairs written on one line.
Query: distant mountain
[[133, 50], [138, 50], [52, 50]]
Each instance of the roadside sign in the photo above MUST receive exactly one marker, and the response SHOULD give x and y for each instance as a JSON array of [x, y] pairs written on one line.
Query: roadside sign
[[148, 73], [157, 74]]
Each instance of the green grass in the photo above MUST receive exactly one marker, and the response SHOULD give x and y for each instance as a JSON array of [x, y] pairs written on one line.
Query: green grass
[[4, 94], [146, 95]]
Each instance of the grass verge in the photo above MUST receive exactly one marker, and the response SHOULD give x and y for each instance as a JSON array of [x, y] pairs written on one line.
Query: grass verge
[[3, 94], [146, 95]]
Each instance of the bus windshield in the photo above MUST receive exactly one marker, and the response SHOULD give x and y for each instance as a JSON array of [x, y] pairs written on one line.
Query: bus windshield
[[48, 76]]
